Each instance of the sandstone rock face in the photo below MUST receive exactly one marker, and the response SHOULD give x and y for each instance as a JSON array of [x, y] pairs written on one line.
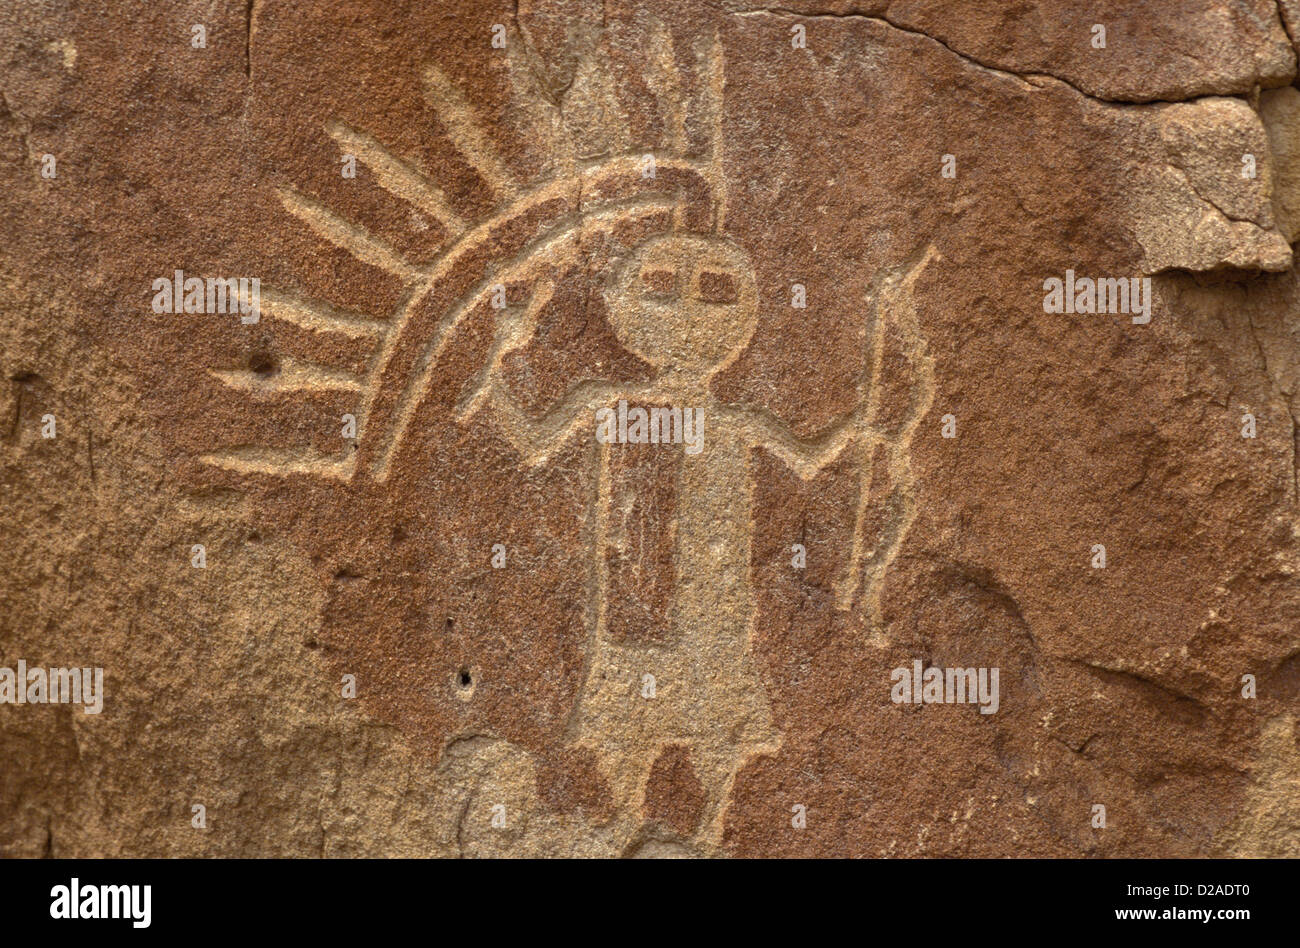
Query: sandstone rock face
[[972, 334]]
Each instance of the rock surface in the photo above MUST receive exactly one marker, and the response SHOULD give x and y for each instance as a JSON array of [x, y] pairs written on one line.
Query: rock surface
[[835, 256]]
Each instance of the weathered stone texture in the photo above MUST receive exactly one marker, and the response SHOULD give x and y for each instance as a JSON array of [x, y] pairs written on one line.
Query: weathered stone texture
[[643, 670]]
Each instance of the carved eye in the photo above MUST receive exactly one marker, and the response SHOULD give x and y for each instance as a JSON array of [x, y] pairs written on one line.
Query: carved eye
[[661, 283], [717, 287]]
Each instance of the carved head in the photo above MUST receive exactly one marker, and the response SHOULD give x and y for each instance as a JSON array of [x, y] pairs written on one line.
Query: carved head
[[684, 302]]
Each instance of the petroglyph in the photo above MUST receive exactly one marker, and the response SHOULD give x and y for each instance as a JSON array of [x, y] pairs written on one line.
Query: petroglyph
[[479, 522], [668, 538]]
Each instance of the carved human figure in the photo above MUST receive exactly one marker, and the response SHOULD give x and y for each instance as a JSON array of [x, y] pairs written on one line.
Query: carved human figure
[[687, 304]]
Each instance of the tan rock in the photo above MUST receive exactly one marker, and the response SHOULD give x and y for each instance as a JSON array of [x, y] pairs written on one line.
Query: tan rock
[[1279, 110], [1196, 207]]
